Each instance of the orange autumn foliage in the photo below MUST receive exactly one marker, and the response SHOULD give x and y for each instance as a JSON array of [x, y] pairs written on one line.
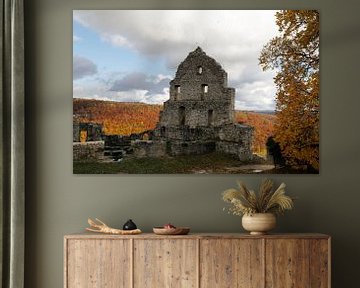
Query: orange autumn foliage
[[117, 118]]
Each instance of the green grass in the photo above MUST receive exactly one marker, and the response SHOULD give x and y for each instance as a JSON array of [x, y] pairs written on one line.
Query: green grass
[[209, 163], [213, 163], [88, 167]]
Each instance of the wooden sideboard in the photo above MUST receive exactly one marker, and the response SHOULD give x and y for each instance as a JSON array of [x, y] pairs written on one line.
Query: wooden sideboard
[[197, 260]]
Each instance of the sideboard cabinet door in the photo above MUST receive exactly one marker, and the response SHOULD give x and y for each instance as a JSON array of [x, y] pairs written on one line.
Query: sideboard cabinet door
[[165, 263], [231, 263], [297, 263], [98, 263]]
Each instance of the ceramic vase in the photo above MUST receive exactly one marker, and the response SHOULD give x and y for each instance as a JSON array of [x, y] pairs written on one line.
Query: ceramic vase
[[259, 223]]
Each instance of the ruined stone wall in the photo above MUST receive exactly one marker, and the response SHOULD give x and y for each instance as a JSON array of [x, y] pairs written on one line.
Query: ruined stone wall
[[196, 113], [76, 132], [87, 151], [231, 139], [235, 149], [191, 80], [149, 148], [199, 95], [183, 140], [176, 148], [185, 133], [94, 131], [236, 133], [236, 139]]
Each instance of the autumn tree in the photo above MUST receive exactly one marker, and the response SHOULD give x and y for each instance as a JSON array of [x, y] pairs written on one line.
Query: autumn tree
[[294, 55]]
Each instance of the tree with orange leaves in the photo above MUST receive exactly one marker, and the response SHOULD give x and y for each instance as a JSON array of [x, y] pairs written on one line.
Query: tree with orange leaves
[[294, 54]]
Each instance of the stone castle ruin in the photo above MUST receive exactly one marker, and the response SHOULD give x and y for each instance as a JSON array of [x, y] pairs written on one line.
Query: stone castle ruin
[[198, 118]]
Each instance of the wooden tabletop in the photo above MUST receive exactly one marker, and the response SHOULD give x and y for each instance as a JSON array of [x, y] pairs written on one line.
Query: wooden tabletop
[[89, 235]]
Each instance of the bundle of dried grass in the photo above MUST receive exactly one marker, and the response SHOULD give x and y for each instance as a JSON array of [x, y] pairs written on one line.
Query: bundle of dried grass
[[245, 201]]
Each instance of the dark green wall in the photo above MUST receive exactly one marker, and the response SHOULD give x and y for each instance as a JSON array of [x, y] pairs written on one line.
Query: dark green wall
[[59, 202]]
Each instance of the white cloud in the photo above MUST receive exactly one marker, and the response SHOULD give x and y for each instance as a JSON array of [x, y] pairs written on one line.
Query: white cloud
[[161, 77], [158, 98], [116, 40], [258, 95], [102, 91], [233, 37]]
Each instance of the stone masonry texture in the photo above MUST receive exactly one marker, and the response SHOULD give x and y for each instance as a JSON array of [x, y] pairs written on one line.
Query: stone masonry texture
[[199, 116]]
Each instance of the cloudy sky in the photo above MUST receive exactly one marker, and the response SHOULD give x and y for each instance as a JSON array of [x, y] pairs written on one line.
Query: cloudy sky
[[131, 55]]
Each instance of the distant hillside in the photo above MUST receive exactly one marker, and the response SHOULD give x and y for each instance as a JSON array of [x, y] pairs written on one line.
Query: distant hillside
[[117, 117], [126, 118]]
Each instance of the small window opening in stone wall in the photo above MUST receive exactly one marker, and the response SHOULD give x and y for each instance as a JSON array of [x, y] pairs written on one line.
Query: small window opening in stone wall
[[177, 89], [145, 136], [200, 70], [182, 115], [177, 92], [83, 136], [162, 131], [205, 88], [210, 117]]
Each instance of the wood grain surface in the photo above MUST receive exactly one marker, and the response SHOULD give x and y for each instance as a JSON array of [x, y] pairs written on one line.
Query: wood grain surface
[[165, 263], [98, 263], [197, 260], [230, 263], [320, 263], [287, 263]]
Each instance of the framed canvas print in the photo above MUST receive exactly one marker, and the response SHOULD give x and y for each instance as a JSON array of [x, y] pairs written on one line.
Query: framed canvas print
[[195, 91]]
